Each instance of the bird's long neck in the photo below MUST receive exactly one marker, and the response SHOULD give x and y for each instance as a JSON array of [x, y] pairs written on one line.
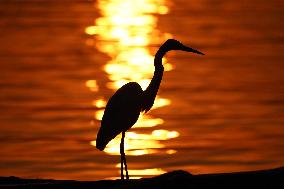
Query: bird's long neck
[[150, 93]]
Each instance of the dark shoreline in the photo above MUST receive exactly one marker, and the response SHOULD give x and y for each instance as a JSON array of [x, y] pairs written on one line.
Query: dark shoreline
[[271, 178]]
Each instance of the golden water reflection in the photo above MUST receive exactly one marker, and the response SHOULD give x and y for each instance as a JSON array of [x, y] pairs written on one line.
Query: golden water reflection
[[141, 144], [145, 172], [124, 32]]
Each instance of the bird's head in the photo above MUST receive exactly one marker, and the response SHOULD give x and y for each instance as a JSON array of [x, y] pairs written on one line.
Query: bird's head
[[172, 44]]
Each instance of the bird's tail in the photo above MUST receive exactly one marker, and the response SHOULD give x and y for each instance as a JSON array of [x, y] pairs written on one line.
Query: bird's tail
[[103, 138], [100, 147], [100, 143]]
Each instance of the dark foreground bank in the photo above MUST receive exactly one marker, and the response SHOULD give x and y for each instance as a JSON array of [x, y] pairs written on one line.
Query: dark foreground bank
[[273, 178]]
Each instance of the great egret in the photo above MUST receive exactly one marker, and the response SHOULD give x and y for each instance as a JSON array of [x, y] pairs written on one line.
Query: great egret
[[124, 107]]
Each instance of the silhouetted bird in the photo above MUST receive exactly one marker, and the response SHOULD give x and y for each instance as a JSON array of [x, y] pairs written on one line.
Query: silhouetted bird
[[123, 108]]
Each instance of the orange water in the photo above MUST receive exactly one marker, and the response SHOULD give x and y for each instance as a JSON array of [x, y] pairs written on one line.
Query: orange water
[[61, 61]]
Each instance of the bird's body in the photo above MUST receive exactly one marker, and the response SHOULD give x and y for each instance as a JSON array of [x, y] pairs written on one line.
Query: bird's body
[[118, 115], [124, 107]]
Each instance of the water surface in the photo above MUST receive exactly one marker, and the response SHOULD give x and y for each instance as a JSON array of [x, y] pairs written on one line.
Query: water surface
[[60, 62]]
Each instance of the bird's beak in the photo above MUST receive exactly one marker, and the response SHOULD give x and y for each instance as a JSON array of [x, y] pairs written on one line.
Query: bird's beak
[[188, 49]]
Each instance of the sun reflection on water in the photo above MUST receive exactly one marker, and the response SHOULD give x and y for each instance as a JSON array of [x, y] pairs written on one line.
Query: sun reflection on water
[[124, 32]]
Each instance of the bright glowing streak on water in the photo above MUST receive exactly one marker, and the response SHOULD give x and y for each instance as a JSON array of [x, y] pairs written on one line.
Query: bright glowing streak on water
[[92, 85], [154, 171], [140, 144], [124, 32]]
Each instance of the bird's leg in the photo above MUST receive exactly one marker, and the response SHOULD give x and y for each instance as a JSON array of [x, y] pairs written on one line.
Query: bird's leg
[[121, 157], [124, 158], [125, 166]]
